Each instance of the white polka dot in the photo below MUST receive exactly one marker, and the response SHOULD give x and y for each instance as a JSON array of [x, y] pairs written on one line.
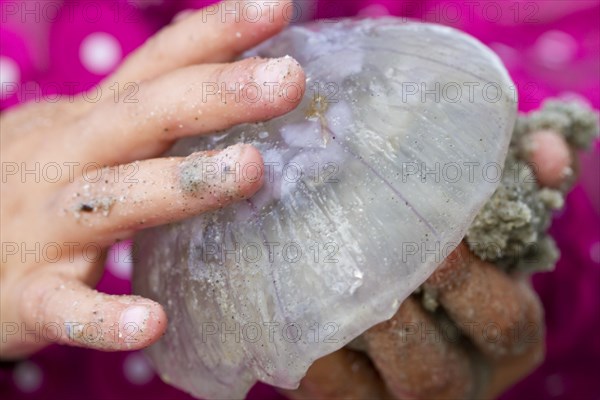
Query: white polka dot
[[555, 48], [510, 57], [10, 75], [374, 10], [119, 261], [137, 369], [27, 376], [595, 252], [554, 385], [100, 52]]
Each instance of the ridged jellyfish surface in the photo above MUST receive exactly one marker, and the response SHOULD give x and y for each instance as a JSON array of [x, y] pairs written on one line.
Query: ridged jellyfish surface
[[369, 183]]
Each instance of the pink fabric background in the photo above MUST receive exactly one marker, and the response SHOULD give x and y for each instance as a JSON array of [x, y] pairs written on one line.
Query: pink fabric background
[[551, 49]]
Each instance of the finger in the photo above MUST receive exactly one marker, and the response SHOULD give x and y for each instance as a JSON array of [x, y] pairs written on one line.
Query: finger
[[66, 311], [506, 372], [344, 374], [216, 33], [501, 318], [155, 192], [417, 359], [551, 157], [190, 101]]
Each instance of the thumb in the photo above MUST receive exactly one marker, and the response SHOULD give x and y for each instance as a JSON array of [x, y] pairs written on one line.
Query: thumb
[[66, 311]]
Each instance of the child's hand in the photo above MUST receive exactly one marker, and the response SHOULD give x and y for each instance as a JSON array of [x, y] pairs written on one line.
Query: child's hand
[[416, 355], [58, 221]]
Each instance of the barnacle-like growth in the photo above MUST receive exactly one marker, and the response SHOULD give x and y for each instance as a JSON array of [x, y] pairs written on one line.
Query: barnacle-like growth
[[511, 229]]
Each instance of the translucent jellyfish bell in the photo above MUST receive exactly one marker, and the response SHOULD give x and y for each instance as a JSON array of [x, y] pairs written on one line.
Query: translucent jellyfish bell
[[373, 179]]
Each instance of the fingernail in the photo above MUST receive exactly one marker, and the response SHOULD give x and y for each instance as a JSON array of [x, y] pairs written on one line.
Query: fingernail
[[275, 70], [134, 319]]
